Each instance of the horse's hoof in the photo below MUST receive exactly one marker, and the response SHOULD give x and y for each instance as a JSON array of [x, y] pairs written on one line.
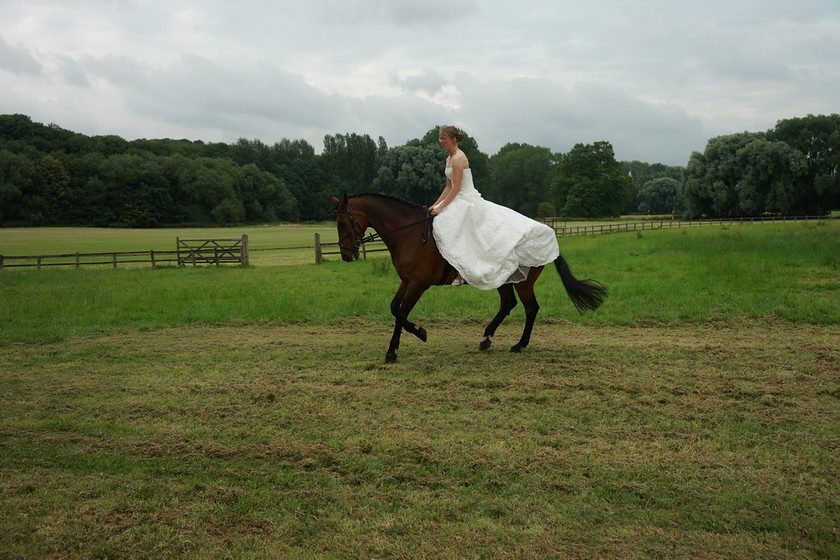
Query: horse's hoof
[[421, 334], [485, 344], [515, 349], [390, 358]]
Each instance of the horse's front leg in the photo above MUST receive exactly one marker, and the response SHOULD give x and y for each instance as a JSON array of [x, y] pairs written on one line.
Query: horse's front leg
[[405, 300], [507, 301], [408, 326]]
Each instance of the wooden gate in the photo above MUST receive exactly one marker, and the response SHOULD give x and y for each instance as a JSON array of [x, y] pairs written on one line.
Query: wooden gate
[[212, 251]]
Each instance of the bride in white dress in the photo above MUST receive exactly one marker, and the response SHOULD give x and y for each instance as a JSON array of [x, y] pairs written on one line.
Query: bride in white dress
[[489, 245]]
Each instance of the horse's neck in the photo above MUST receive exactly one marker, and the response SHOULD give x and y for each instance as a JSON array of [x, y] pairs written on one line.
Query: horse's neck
[[385, 217]]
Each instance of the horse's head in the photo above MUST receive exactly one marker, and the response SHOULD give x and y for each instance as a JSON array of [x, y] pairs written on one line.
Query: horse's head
[[351, 229]]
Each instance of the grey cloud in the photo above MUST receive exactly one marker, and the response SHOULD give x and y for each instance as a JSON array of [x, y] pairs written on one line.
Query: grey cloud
[[18, 60], [198, 92], [428, 81], [398, 12], [74, 72]]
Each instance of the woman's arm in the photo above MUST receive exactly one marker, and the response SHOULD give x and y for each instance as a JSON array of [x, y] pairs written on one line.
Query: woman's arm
[[442, 195]]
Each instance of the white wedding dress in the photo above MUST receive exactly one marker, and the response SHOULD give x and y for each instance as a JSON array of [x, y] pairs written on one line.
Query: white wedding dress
[[489, 244]]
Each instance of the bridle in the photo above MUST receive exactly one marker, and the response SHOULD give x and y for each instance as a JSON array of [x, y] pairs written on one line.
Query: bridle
[[359, 240]]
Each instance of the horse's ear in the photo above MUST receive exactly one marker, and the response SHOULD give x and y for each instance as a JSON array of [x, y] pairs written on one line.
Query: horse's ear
[[334, 200]]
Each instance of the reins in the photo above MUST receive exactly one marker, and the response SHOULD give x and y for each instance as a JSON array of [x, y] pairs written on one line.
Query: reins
[[358, 240], [426, 231]]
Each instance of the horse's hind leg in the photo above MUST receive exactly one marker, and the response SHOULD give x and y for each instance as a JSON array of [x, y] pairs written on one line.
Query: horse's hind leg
[[507, 301], [529, 301]]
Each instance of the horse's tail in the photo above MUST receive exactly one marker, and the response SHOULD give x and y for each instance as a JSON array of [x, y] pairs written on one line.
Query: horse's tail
[[585, 294]]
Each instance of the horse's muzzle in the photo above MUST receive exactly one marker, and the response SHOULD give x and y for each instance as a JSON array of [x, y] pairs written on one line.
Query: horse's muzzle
[[351, 255]]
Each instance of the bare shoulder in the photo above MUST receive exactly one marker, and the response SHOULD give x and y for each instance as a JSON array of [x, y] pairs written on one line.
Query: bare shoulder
[[460, 160]]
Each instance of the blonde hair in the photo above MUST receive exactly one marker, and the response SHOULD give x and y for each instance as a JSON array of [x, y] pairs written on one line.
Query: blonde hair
[[453, 132]]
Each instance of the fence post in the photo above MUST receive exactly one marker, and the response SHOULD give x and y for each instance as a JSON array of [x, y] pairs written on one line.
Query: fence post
[[152, 257], [77, 260], [243, 257], [319, 257], [115, 260]]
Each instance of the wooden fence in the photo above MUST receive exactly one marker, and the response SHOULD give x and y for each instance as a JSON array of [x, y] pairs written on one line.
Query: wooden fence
[[188, 251], [562, 230]]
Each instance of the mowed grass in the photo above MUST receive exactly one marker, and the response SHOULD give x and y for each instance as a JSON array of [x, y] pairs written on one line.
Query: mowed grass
[[246, 413], [270, 441]]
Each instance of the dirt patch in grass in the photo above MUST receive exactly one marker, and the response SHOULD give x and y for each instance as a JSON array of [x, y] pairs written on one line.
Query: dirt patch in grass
[[716, 440]]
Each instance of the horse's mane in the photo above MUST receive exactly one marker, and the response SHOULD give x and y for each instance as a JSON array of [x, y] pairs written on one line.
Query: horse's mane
[[391, 198]]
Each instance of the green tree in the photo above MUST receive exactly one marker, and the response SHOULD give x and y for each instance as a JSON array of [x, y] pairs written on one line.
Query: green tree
[[353, 160], [20, 130], [711, 178], [56, 187], [109, 145], [92, 198], [642, 173], [303, 173], [545, 210], [771, 178], [207, 190], [264, 196], [661, 196], [138, 192], [748, 174], [521, 177], [591, 183], [411, 172], [817, 137], [22, 199]]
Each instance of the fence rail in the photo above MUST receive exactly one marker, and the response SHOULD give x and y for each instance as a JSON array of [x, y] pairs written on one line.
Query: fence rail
[[188, 251], [78, 260], [562, 230]]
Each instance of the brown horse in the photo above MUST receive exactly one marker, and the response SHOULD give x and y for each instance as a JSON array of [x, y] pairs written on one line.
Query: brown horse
[[406, 230]]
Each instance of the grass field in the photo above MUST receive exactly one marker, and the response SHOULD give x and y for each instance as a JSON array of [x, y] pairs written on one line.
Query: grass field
[[246, 413]]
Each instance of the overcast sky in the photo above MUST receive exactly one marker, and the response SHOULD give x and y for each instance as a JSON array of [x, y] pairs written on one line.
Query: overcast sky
[[656, 78]]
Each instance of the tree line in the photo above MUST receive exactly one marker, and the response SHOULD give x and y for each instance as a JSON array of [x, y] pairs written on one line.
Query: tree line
[[791, 169], [52, 176]]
